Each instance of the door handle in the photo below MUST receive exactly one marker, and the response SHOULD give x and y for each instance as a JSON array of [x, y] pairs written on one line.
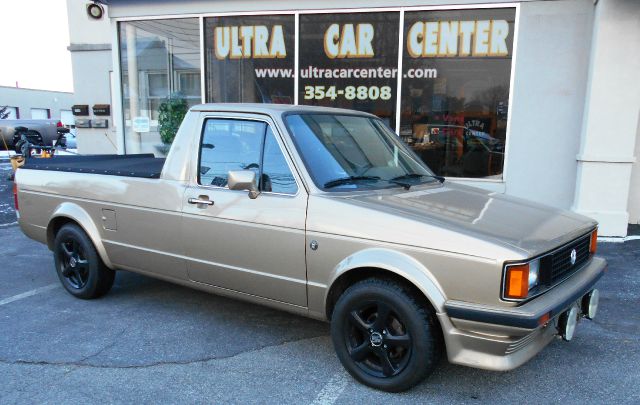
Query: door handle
[[199, 201]]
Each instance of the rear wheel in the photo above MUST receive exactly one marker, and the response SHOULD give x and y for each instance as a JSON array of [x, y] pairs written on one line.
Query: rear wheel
[[384, 336], [79, 267]]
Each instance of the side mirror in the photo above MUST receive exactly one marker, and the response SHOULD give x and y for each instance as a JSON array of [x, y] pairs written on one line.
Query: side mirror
[[243, 180]]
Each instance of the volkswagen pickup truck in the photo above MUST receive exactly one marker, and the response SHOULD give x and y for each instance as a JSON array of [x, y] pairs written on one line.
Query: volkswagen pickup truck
[[325, 213]]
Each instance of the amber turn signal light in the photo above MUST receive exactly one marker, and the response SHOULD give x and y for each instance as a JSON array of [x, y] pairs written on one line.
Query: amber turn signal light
[[517, 282], [594, 242]]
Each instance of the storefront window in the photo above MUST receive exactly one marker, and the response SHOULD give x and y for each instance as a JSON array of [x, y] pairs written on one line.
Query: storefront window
[[159, 59], [350, 61], [455, 89], [250, 59], [455, 75]]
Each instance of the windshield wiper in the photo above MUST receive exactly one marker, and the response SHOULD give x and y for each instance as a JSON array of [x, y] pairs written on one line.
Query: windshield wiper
[[348, 180], [398, 179]]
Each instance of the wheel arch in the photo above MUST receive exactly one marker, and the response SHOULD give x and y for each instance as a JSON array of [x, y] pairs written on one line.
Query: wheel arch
[[67, 213], [387, 264]]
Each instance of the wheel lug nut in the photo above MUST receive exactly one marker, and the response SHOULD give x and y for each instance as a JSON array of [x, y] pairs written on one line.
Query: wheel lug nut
[[384, 332], [385, 346]]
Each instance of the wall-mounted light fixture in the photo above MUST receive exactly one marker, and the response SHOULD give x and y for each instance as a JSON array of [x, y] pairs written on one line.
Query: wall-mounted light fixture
[[95, 11]]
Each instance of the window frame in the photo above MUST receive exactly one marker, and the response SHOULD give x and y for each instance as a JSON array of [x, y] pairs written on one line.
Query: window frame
[[278, 137]]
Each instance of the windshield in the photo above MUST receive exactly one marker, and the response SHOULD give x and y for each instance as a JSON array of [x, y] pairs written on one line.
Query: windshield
[[350, 152]]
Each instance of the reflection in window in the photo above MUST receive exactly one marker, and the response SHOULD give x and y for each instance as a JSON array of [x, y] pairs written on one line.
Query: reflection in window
[[229, 145], [260, 71], [159, 58], [276, 175], [454, 105], [364, 81]]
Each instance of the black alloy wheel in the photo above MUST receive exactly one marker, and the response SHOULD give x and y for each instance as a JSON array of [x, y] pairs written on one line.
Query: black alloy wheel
[[74, 265], [79, 267], [385, 335], [377, 340]]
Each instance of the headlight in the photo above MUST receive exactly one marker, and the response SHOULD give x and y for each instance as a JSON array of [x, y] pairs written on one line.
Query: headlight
[[534, 273], [519, 279]]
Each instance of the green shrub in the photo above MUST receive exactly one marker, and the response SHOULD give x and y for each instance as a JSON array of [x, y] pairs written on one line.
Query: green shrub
[[171, 113]]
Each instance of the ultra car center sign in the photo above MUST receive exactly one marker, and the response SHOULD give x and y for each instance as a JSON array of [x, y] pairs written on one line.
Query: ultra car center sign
[[424, 39], [351, 60], [458, 38], [254, 41]]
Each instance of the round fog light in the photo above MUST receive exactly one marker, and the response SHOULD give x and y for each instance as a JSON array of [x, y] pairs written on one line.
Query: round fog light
[[568, 321], [590, 304]]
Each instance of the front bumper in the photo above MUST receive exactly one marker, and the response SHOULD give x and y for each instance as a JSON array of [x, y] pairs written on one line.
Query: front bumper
[[497, 338]]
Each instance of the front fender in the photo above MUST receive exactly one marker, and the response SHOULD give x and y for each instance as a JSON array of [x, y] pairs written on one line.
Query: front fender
[[77, 214], [398, 263]]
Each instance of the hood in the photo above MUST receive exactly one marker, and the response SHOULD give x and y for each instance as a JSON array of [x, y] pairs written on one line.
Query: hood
[[492, 217]]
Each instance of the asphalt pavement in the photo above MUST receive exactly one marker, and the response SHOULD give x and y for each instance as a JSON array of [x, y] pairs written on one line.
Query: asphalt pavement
[[149, 341]]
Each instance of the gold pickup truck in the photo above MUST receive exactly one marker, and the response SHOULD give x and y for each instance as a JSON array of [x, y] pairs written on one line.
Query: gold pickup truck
[[324, 213]]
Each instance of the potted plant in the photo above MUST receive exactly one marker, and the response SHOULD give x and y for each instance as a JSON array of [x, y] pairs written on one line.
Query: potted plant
[[170, 115]]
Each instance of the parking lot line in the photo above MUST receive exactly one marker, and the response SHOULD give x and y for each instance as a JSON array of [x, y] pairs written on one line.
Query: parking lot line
[[28, 294], [332, 390]]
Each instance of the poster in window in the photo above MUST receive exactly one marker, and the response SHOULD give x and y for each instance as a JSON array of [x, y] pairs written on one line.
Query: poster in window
[[455, 89], [250, 59], [350, 60]]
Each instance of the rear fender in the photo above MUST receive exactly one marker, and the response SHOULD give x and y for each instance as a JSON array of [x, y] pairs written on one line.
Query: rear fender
[[78, 215]]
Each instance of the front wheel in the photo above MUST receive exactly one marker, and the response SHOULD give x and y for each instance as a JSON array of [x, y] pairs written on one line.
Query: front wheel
[[384, 336], [79, 267]]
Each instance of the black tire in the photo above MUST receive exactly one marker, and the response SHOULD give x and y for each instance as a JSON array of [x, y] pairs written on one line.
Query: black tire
[[79, 267], [409, 336]]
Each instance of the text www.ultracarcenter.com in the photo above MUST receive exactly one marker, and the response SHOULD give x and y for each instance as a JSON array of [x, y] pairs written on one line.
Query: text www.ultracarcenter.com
[[312, 72]]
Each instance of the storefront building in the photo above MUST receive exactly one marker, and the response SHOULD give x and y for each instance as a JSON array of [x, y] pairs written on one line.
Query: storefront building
[[521, 98]]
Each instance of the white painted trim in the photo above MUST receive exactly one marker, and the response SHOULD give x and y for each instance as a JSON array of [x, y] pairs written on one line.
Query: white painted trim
[[606, 239], [203, 70], [118, 108], [322, 11], [296, 59], [512, 80], [605, 159], [476, 179], [399, 84]]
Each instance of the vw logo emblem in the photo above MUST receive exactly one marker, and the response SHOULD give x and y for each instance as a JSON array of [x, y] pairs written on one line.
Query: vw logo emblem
[[376, 339], [574, 256], [73, 262]]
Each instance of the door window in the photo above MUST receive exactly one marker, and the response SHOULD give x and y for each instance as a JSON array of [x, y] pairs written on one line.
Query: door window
[[276, 175], [229, 144]]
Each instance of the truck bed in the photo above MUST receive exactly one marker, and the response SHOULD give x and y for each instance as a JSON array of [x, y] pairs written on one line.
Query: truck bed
[[142, 165]]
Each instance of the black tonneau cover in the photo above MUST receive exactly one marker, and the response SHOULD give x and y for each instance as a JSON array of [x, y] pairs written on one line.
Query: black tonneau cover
[[143, 165]]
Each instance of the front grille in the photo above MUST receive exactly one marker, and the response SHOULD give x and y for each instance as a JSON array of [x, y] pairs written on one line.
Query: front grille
[[557, 265]]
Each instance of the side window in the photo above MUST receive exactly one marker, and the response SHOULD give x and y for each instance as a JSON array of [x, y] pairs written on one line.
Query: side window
[[229, 145], [276, 175]]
